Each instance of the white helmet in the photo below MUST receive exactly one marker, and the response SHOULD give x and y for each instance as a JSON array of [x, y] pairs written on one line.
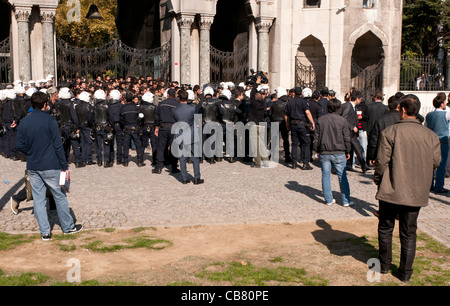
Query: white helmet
[[31, 91], [281, 92], [307, 92], [224, 85], [18, 89], [10, 94], [44, 90], [2, 95], [231, 85], [208, 91], [226, 93], [64, 93], [148, 97], [100, 95], [115, 94], [191, 94], [247, 93], [85, 96], [242, 85], [17, 82]]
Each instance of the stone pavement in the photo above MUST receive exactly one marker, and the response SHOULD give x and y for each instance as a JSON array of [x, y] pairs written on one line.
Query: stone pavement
[[120, 197]]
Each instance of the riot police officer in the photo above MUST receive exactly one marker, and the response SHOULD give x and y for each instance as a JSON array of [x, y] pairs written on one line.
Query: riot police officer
[[66, 125], [115, 106], [229, 114], [129, 118], [164, 119], [209, 109], [297, 115], [11, 117], [74, 132], [2, 126], [277, 115], [149, 109], [84, 122], [103, 131]]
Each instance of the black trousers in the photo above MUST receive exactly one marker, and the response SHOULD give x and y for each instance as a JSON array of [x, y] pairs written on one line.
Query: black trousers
[[164, 140], [407, 227], [359, 151], [300, 136]]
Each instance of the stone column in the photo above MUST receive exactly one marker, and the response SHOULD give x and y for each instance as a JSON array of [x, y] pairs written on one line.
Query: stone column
[[205, 49], [185, 23], [48, 46], [23, 32], [262, 26]]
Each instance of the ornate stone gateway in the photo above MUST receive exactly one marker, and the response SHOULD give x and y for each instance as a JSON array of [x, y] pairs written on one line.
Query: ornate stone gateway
[[229, 66], [368, 80], [115, 59], [311, 76], [5, 62]]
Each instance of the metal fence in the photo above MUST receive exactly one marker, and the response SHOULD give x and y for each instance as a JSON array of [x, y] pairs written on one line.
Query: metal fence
[[5, 62], [229, 66], [114, 58], [422, 73]]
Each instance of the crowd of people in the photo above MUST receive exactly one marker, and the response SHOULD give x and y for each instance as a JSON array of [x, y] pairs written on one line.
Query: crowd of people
[[112, 116]]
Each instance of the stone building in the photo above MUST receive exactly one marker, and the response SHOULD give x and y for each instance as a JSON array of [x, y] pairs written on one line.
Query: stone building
[[338, 43]]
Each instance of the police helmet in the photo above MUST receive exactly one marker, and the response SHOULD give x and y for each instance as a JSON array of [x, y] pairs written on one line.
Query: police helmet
[[115, 94], [148, 97], [64, 93], [100, 95], [307, 92], [85, 96]]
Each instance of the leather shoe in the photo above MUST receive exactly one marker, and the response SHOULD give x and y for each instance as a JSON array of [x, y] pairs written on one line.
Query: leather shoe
[[157, 170], [140, 164], [175, 170], [100, 164], [198, 181], [186, 182], [294, 166], [125, 164], [80, 165], [254, 165], [108, 164], [306, 167]]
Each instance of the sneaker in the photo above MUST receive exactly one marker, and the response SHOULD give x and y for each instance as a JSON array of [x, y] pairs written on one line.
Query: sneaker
[[77, 228], [14, 206], [351, 203], [332, 202], [47, 237]]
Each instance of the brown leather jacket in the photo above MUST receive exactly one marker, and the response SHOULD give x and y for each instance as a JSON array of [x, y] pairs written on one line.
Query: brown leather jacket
[[407, 155]]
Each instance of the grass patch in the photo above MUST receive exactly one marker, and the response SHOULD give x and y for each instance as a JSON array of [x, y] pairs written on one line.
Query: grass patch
[[239, 274], [130, 243], [24, 279], [10, 241]]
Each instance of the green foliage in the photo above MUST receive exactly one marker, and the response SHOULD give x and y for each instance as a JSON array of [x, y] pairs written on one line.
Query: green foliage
[[10, 241], [86, 32], [24, 279], [421, 26]]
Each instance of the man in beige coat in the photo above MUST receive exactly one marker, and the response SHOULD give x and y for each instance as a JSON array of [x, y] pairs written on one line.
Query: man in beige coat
[[407, 155]]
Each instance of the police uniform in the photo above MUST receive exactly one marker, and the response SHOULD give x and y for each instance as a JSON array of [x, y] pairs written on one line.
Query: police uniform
[[164, 119], [103, 131], [209, 109], [129, 118], [296, 110], [229, 116], [75, 139], [65, 122], [2, 126], [11, 114], [277, 115], [148, 108], [83, 122], [114, 108]]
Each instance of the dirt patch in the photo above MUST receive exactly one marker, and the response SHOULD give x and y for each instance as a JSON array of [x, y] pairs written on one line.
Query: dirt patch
[[336, 251]]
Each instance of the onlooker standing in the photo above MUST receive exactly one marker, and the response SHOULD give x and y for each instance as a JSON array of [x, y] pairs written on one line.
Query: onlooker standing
[[407, 155], [438, 122], [39, 138], [332, 142]]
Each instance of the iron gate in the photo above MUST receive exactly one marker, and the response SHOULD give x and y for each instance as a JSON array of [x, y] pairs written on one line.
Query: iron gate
[[368, 80], [229, 66], [114, 58], [311, 76], [5, 62]]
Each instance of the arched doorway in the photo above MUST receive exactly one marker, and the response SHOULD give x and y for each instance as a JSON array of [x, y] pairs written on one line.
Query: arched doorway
[[5, 55], [229, 42], [367, 65], [138, 23], [310, 64]]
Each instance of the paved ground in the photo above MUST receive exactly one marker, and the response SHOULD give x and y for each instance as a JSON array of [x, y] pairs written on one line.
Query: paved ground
[[131, 197]]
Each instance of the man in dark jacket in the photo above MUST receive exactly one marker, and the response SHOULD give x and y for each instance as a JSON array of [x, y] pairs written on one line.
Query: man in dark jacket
[[332, 142], [386, 120], [39, 138]]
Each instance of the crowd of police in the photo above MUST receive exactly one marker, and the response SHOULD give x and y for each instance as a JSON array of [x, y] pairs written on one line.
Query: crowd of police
[[111, 116]]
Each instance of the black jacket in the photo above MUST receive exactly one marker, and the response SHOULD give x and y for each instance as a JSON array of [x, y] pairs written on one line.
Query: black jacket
[[388, 119], [332, 135], [375, 111]]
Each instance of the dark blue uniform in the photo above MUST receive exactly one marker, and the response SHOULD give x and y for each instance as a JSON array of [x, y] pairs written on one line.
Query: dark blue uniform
[[76, 140], [129, 118], [114, 109], [164, 119], [300, 134], [11, 116], [84, 121]]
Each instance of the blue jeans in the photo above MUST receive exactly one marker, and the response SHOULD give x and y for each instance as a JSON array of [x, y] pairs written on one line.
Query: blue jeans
[[439, 179], [339, 162], [39, 181]]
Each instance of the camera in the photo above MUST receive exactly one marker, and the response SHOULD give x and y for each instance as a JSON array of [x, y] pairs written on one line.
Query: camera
[[254, 75]]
